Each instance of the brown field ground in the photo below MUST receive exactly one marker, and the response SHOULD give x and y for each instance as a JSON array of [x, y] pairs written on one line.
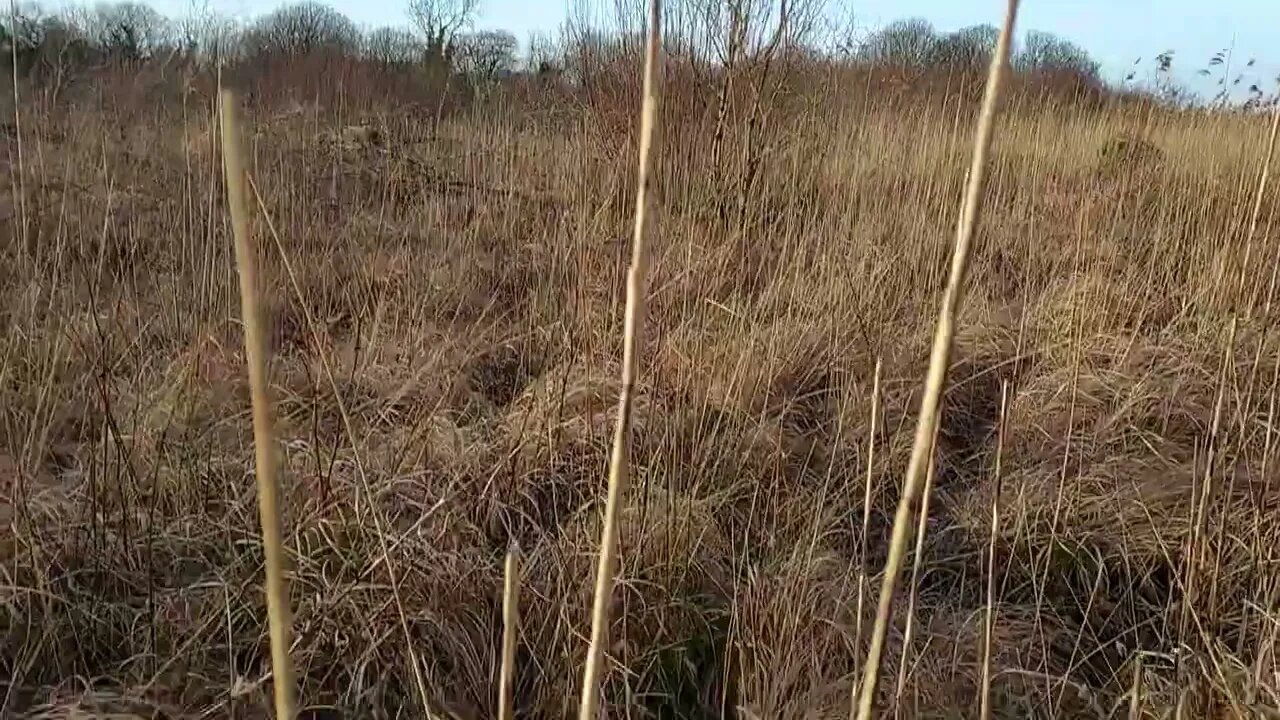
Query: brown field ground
[[463, 283]]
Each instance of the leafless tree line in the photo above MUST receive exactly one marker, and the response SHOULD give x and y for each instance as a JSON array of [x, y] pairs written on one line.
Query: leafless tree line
[[50, 45], [742, 49]]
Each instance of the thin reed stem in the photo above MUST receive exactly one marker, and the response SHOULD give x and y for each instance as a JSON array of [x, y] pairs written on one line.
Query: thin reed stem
[[866, 520], [593, 672], [989, 623], [510, 633], [1135, 689], [255, 348], [20, 181], [917, 562], [938, 364], [1246, 271]]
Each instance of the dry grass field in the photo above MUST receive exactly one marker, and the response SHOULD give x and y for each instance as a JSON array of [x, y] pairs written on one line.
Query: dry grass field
[[445, 304]]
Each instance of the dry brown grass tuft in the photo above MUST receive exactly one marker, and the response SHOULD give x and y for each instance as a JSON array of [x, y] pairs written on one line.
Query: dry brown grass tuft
[[448, 366]]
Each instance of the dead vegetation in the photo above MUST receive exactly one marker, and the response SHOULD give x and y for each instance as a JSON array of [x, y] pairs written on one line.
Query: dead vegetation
[[465, 282]]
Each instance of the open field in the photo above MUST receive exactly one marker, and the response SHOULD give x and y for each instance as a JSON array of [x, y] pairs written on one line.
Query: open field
[[445, 304]]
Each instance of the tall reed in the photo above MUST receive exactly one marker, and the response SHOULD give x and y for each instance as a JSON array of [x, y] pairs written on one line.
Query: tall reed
[[938, 363], [633, 324], [264, 442]]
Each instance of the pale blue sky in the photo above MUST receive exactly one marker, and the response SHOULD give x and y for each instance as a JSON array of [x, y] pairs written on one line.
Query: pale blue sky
[[1115, 32]]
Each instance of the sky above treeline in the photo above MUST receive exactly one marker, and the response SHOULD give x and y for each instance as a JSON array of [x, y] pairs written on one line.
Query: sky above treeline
[[1115, 32]]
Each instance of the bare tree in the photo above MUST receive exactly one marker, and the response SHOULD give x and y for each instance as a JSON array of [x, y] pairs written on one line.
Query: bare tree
[[302, 28], [206, 35], [392, 46], [440, 22], [1046, 52], [756, 43], [22, 36], [907, 43], [222, 38], [131, 30], [64, 51], [487, 55], [188, 28], [49, 49], [970, 47], [542, 57]]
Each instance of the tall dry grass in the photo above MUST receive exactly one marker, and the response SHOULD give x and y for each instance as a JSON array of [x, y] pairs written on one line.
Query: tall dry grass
[[632, 328], [270, 512], [446, 309], [917, 485]]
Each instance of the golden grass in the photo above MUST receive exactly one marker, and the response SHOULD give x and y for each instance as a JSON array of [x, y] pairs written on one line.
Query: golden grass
[[444, 322]]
